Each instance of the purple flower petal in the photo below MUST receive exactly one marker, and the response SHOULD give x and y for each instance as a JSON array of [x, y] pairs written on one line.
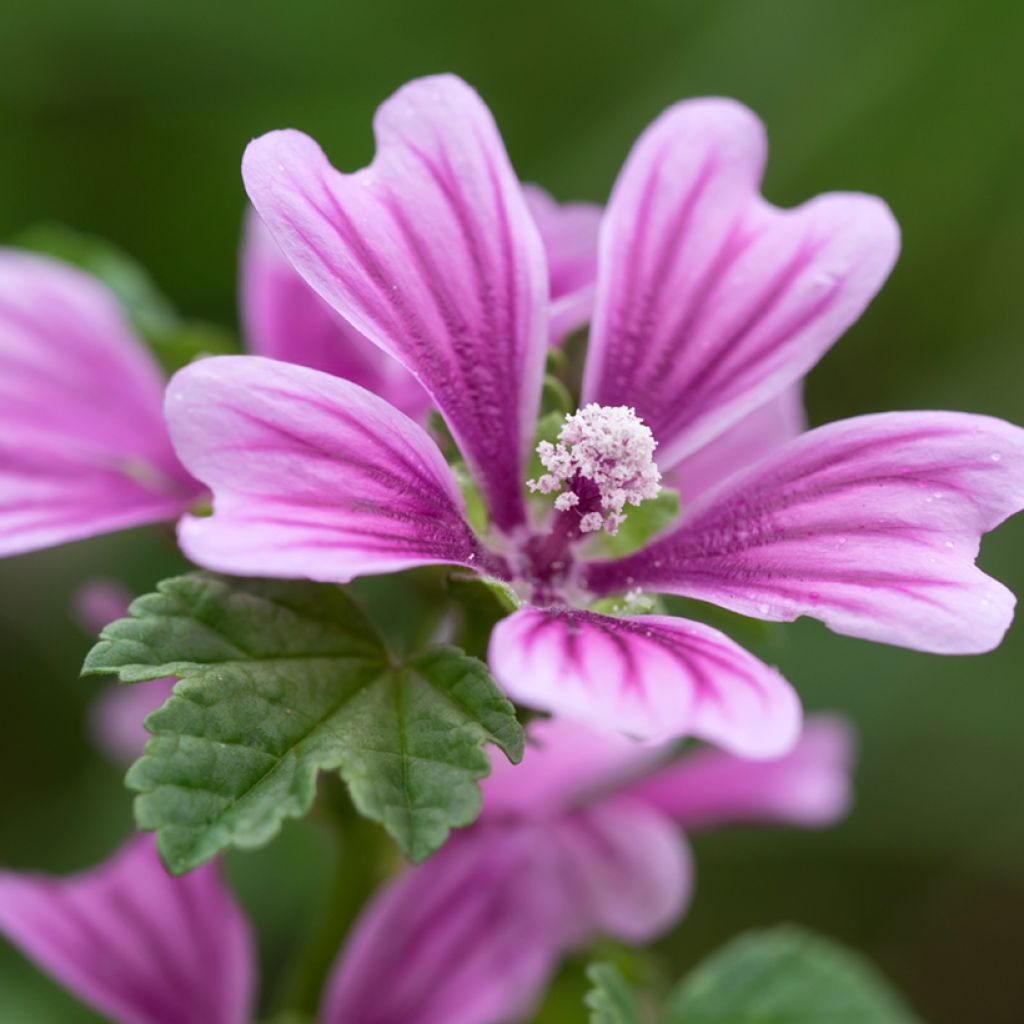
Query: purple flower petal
[[468, 937], [654, 677], [134, 943], [870, 524], [312, 476], [627, 869], [569, 232], [758, 434], [710, 301], [285, 319], [432, 254], [83, 448], [565, 763], [809, 786]]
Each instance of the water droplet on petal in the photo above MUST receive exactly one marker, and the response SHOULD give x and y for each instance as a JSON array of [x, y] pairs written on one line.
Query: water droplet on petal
[[995, 456]]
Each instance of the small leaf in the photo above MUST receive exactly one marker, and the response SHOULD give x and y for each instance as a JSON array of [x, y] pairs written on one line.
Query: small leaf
[[642, 523], [280, 680], [610, 999], [785, 975]]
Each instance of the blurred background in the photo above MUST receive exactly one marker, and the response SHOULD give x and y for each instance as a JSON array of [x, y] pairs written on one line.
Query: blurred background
[[128, 120]]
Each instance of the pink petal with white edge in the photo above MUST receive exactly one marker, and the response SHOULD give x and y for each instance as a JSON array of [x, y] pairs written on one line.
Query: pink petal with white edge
[[565, 764], [654, 677], [871, 525], [83, 447], [312, 476], [432, 254], [710, 301], [468, 937], [285, 319], [134, 943], [569, 232], [756, 435], [808, 787]]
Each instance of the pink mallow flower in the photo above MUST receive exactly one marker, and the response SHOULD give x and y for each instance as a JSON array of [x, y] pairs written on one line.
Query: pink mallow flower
[[710, 307], [582, 839]]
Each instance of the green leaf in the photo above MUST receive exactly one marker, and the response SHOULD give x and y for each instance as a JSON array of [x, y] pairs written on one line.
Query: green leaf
[[785, 976], [611, 1000], [280, 680], [642, 523], [146, 307], [173, 341]]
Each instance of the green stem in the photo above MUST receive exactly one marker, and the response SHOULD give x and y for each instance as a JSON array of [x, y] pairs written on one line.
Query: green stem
[[356, 870]]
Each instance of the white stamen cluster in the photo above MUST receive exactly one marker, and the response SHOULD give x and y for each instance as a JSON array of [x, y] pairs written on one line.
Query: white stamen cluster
[[609, 446]]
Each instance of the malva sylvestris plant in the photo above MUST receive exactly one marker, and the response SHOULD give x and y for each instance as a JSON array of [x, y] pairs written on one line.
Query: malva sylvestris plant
[[409, 404]]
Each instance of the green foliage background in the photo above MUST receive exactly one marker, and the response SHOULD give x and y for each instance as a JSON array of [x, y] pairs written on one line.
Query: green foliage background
[[128, 119]]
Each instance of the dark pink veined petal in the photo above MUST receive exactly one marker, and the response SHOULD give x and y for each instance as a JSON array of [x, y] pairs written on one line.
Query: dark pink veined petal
[[809, 786], [569, 232], [83, 447], [285, 319], [468, 937], [566, 763], [654, 677], [870, 524], [756, 435], [432, 254], [626, 868], [312, 476], [134, 943], [710, 301]]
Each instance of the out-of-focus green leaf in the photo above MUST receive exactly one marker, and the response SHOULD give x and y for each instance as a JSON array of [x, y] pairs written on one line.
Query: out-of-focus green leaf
[[611, 1000], [174, 342], [147, 309], [785, 976], [280, 680]]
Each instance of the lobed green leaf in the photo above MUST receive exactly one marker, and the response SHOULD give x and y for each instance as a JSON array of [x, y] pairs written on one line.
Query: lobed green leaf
[[278, 681]]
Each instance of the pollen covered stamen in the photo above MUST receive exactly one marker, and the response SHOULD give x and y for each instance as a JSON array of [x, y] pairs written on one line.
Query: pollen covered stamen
[[610, 447]]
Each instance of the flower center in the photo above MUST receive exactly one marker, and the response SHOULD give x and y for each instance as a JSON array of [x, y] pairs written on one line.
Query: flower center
[[602, 462]]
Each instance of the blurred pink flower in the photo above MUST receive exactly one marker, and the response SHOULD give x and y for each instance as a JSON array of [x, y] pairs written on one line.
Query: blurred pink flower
[[710, 305], [581, 839], [83, 446], [119, 711]]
